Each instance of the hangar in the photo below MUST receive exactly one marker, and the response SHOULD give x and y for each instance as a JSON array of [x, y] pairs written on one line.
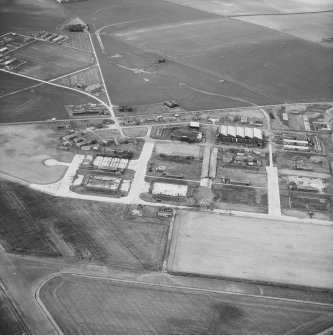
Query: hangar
[[241, 135]]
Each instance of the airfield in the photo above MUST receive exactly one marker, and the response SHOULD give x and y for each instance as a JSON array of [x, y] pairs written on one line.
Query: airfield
[[167, 170]]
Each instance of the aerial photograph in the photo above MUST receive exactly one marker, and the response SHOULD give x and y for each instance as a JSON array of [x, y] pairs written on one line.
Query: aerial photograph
[[166, 167]]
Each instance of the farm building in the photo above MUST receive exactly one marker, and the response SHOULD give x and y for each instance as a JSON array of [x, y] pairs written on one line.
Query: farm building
[[174, 190], [241, 135]]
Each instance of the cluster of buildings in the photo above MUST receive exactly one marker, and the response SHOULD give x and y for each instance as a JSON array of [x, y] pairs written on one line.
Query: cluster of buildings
[[241, 135], [295, 142], [90, 109], [49, 37]]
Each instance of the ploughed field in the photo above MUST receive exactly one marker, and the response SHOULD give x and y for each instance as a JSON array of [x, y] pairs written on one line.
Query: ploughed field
[[11, 322], [101, 306], [287, 253], [38, 224]]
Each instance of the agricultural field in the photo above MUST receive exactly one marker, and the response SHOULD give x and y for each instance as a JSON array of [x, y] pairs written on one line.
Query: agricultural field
[[79, 40], [48, 61], [103, 306], [11, 322], [245, 198], [39, 224], [84, 78], [248, 7], [10, 83], [252, 249], [23, 148], [314, 27], [40, 104]]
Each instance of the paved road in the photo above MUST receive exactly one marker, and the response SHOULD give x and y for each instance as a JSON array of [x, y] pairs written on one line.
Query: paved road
[[274, 206]]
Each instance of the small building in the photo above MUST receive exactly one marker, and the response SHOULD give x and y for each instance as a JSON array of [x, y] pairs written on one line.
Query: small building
[[170, 104], [93, 88], [3, 49], [231, 118], [195, 125], [244, 119]]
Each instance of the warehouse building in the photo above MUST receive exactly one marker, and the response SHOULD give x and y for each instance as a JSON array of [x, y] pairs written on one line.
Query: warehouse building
[[241, 135]]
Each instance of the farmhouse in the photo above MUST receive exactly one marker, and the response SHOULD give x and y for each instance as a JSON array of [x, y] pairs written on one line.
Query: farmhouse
[[241, 135]]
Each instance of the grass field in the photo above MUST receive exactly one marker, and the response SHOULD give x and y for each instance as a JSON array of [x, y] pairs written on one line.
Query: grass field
[[284, 68], [195, 37], [165, 82], [240, 197], [48, 61], [135, 132], [39, 104], [11, 322], [39, 224], [252, 249], [23, 149], [97, 306]]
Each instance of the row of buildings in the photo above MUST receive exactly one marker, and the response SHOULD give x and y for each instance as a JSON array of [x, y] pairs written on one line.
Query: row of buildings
[[241, 135]]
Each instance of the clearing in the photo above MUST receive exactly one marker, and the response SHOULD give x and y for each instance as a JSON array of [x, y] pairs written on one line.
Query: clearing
[[252, 249], [96, 305]]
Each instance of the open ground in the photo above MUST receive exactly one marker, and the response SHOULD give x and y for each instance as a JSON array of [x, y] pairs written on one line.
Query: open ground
[[24, 148], [96, 305], [252, 249]]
